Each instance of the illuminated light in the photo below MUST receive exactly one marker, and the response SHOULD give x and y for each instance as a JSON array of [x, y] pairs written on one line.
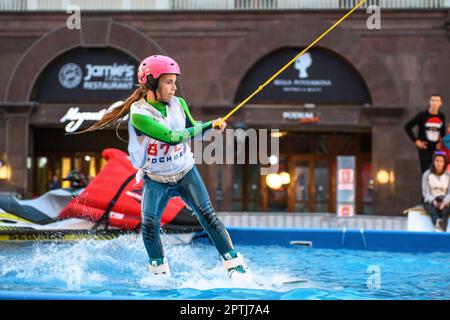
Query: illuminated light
[[383, 177], [42, 162], [273, 180], [87, 158], [273, 160], [77, 118], [278, 134], [92, 170], [285, 178], [66, 166], [103, 163], [391, 177], [4, 172]]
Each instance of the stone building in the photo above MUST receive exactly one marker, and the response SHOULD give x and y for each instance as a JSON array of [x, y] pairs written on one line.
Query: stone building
[[340, 109]]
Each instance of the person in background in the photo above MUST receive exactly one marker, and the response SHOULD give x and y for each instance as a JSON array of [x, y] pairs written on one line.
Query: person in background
[[436, 191], [77, 179], [55, 183], [431, 125]]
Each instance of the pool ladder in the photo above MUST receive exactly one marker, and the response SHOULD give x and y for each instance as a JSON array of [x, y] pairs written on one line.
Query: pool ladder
[[363, 237], [309, 244]]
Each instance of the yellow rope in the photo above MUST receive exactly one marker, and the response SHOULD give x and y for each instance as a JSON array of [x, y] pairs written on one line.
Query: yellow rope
[[291, 62]]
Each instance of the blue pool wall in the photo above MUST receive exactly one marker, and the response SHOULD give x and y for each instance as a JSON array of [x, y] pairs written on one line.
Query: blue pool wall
[[383, 240]]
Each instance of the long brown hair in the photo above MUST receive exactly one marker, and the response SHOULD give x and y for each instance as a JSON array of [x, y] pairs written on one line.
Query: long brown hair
[[113, 116], [433, 167]]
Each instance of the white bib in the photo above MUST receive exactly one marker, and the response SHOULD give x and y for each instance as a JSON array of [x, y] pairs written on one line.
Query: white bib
[[154, 156]]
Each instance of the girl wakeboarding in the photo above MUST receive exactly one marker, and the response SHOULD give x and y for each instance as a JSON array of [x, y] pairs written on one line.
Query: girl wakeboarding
[[160, 126]]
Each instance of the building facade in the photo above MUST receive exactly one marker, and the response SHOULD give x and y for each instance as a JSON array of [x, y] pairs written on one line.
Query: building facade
[[340, 109]]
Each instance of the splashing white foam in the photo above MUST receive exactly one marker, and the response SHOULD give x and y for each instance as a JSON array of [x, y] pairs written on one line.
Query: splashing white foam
[[121, 263]]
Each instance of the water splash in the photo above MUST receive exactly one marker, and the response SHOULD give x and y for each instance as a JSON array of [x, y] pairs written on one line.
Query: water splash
[[119, 264], [117, 268]]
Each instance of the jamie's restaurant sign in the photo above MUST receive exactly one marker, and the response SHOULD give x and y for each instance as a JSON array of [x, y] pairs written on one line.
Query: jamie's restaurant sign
[[319, 76], [87, 75]]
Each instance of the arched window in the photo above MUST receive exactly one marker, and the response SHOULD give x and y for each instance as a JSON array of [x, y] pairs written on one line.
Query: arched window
[[320, 76]]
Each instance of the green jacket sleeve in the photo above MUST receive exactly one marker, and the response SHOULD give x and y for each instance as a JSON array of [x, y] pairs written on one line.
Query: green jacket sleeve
[[156, 130]]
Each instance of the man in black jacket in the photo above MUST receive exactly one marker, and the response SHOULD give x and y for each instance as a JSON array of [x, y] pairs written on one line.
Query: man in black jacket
[[431, 124]]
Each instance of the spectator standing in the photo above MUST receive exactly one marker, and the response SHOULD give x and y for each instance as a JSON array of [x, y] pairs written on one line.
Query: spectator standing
[[431, 129]]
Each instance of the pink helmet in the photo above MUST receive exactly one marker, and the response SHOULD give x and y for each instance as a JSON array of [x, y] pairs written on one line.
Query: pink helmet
[[156, 66]]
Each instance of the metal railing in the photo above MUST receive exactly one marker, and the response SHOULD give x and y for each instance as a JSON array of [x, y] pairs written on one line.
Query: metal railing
[[311, 220], [198, 5]]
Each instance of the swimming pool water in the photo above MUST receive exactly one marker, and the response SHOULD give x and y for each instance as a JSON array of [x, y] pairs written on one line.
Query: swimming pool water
[[117, 269]]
